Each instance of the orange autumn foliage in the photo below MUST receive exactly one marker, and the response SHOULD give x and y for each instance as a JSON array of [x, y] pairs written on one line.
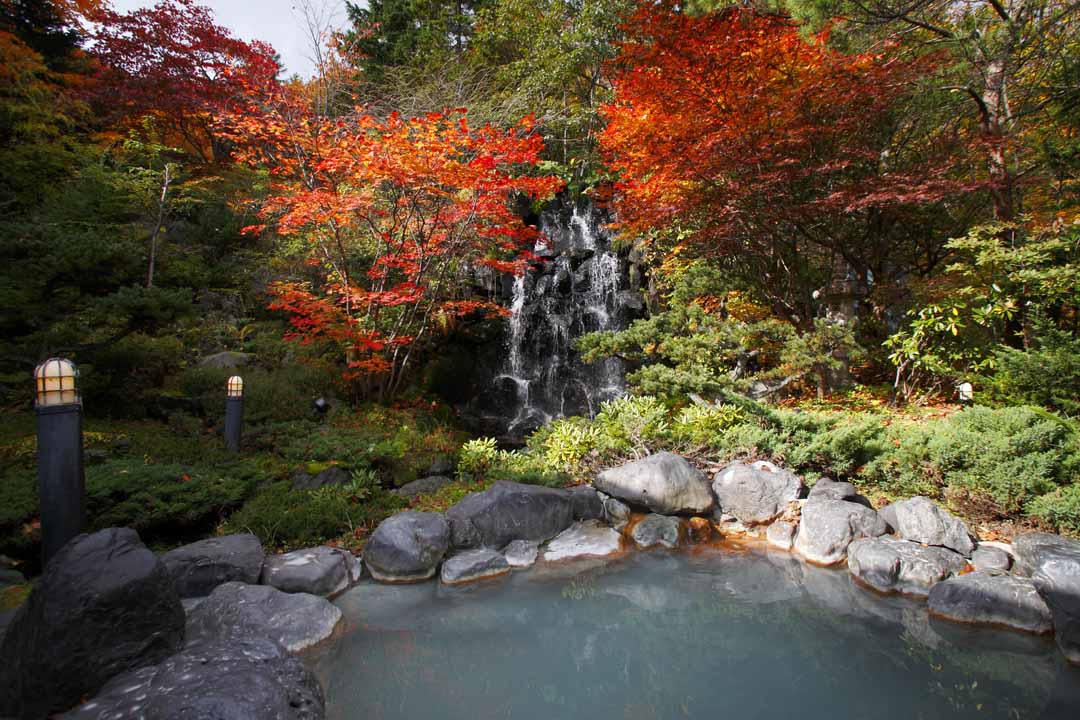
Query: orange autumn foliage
[[398, 215], [738, 128]]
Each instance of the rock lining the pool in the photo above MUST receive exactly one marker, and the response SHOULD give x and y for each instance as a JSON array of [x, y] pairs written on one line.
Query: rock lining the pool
[[912, 547]]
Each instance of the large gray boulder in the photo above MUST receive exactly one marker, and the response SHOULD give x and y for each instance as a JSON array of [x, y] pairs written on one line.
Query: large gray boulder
[[407, 547], [833, 490], [590, 538], [987, 598], [921, 520], [656, 530], [322, 571], [226, 360], [664, 483], [891, 564], [509, 511], [473, 565], [243, 679], [755, 493], [200, 567], [828, 526], [1053, 562], [238, 611], [105, 605]]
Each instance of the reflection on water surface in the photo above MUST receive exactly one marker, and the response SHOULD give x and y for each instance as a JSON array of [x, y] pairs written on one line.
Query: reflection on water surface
[[753, 634]]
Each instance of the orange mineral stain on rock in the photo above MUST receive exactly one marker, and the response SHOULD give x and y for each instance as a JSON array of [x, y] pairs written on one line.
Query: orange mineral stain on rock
[[698, 530]]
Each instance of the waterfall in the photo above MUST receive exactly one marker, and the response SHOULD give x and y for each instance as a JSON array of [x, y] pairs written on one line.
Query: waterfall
[[581, 286]]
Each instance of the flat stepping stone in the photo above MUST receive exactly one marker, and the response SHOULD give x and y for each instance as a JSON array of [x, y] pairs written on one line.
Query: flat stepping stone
[[322, 571], [473, 565], [985, 598], [890, 564], [585, 539], [521, 553], [656, 530], [236, 611]]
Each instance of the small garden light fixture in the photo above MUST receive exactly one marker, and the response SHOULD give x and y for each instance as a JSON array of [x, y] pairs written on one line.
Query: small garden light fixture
[[61, 483], [965, 392], [234, 412]]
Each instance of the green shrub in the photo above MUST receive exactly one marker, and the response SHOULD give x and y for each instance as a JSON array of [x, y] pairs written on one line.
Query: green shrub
[[632, 424], [703, 425], [567, 442], [122, 377], [281, 394], [287, 519], [18, 507], [1007, 456], [1060, 509], [164, 503], [1048, 374]]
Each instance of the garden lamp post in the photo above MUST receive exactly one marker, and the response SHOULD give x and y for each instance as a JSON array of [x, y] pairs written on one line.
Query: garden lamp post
[[61, 484], [965, 392], [234, 412]]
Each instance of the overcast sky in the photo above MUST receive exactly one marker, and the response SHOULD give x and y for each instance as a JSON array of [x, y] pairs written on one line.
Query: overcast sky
[[278, 22]]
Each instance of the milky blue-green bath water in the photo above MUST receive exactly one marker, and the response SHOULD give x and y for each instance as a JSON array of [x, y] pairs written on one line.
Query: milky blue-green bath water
[[710, 634]]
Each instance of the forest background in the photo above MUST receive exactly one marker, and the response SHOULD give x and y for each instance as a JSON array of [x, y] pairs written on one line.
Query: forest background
[[846, 208]]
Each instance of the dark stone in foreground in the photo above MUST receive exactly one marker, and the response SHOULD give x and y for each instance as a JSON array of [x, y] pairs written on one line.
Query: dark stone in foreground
[[509, 511], [664, 483], [235, 611], [891, 564], [757, 492], [921, 520], [105, 604], [407, 547], [1054, 565], [474, 565], [319, 571], [200, 567], [250, 679], [991, 599]]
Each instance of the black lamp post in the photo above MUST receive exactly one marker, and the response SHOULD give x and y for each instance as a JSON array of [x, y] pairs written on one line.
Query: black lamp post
[[61, 484], [234, 412]]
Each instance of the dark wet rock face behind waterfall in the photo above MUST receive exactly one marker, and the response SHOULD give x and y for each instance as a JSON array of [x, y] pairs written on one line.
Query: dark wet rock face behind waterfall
[[582, 285]]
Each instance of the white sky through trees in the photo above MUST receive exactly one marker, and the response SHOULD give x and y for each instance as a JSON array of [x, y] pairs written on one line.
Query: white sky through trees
[[278, 22]]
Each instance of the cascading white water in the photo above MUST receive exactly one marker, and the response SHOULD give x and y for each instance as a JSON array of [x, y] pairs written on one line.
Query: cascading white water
[[578, 289]]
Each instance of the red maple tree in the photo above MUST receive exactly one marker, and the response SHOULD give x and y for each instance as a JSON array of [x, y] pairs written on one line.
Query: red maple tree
[[754, 140], [174, 62], [398, 215]]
